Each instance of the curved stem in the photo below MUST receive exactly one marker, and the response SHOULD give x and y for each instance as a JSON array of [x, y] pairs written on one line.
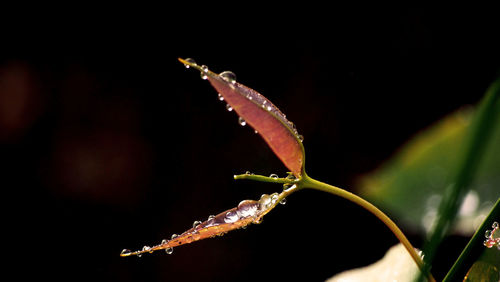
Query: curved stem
[[307, 182]]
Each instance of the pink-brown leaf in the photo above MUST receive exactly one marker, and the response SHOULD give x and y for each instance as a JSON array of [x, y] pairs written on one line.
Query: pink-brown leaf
[[258, 112]]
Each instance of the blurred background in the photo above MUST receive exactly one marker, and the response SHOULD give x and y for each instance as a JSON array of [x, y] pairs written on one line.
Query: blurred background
[[107, 142]]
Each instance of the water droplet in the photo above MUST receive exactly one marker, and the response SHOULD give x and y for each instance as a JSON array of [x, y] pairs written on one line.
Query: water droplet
[[196, 223], [221, 98], [229, 108], [264, 202], [211, 220], [256, 132], [163, 242], [228, 76], [125, 252], [203, 74], [273, 176], [241, 121], [269, 108], [488, 233], [283, 201], [291, 177], [301, 138], [146, 248], [494, 225], [231, 217], [174, 236], [274, 198], [247, 208], [169, 250], [191, 61]]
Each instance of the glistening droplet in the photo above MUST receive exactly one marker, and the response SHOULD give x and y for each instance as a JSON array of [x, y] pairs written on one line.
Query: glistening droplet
[[228, 76], [229, 108], [174, 236], [196, 223], [494, 225], [283, 201], [191, 61], [146, 248], [164, 241], [231, 217], [125, 252], [274, 198], [169, 250], [487, 234], [203, 73], [247, 208], [221, 98], [241, 121], [274, 176], [264, 202]]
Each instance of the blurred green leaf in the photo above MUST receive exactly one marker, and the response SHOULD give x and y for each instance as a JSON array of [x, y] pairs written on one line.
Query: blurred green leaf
[[484, 269], [411, 184]]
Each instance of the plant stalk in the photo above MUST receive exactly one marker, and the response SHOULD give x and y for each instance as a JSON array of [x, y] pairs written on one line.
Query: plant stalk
[[307, 182]]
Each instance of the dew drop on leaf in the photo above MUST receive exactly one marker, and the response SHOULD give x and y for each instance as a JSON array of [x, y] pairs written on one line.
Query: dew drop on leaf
[[231, 217], [241, 121], [229, 108], [146, 248], [125, 252], [228, 76], [196, 223], [264, 202], [220, 97], [191, 61], [203, 74], [247, 208]]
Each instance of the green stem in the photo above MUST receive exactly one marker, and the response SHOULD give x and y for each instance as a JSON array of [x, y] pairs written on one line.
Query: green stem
[[307, 182], [473, 248]]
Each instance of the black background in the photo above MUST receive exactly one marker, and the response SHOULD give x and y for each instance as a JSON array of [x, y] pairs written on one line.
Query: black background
[[116, 145]]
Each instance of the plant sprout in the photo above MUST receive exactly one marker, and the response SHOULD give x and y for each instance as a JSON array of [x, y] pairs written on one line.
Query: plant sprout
[[280, 134]]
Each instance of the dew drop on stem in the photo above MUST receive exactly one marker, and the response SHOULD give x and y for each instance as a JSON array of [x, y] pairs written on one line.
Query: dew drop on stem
[[169, 250], [274, 176]]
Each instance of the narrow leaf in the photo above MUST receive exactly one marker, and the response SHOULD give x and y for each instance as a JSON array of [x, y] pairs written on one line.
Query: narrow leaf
[[258, 112], [247, 212]]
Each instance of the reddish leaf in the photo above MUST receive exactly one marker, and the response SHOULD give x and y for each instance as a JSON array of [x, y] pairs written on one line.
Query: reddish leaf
[[247, 212], [258, 112]]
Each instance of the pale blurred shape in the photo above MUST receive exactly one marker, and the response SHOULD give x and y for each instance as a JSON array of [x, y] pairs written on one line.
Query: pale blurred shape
[[396, 265], [469, 204]]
